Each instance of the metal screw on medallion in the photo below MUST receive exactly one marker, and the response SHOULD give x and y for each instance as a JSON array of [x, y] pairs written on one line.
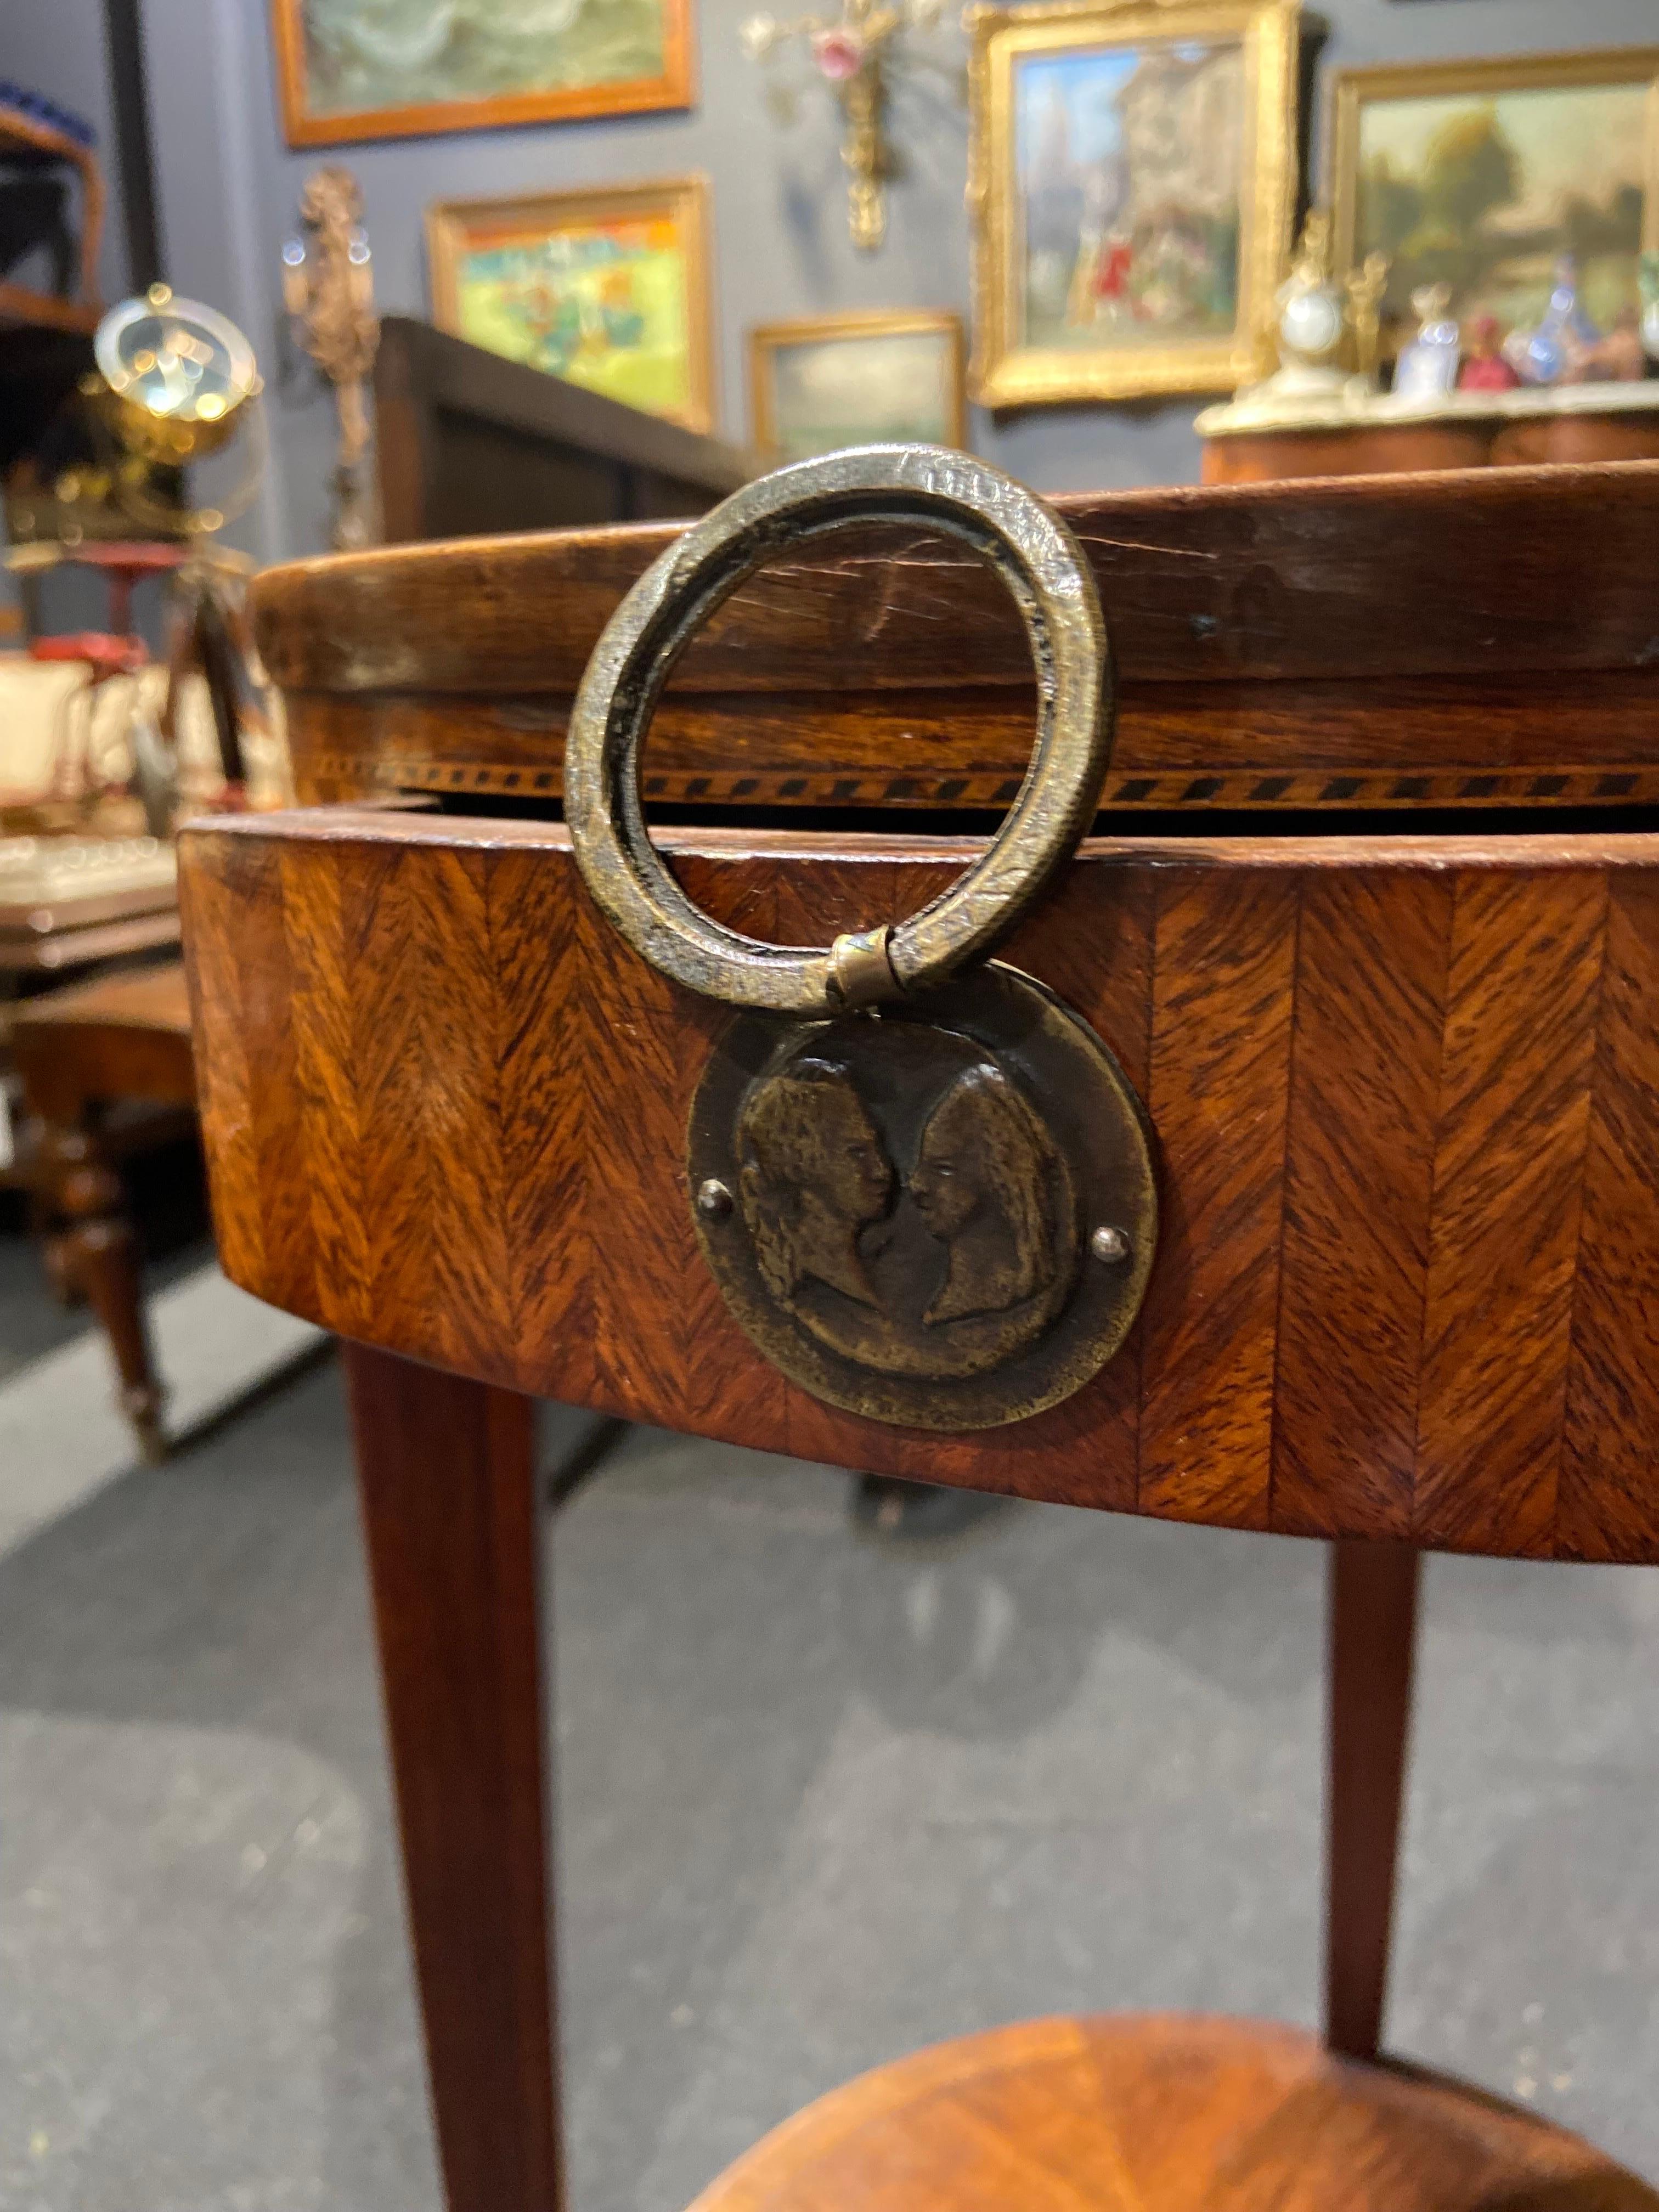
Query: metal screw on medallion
[[714, 1199], [1109, 1246]]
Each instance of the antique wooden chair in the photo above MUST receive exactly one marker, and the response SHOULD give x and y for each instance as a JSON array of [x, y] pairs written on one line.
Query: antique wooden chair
[[81, 1052], [1401, 1084]]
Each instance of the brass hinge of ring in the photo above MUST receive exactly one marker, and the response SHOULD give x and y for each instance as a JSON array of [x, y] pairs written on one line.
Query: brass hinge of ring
[[861, 969]]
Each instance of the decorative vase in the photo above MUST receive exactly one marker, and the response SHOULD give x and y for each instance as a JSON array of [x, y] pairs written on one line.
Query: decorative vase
[[1427, 367], [1559, 340]]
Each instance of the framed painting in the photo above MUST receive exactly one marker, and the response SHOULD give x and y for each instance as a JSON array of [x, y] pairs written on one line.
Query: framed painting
[[1482, 174], [394, 69], [608, 288], [826, 382], [1132, 176]]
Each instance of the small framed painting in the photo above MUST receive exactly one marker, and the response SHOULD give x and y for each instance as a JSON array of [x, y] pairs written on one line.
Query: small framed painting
[[1131, 177], [608, 288], [826, 382], [1481, 175], [393, 68]]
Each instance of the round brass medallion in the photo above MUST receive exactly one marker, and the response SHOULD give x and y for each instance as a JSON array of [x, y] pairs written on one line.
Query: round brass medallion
[[943, 1216]]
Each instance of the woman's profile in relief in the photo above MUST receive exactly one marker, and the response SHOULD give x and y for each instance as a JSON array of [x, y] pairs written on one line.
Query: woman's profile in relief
[[981, 1185], [812, 1172]]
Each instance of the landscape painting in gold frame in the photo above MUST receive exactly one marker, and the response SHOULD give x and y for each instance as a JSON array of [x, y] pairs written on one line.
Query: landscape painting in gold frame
[[1131, 177], [1481, 174], [394, 69], [821, 382], [607, 288]]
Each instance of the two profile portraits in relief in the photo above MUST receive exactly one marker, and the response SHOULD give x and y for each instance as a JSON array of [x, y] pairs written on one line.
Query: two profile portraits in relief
[[907, 1205]]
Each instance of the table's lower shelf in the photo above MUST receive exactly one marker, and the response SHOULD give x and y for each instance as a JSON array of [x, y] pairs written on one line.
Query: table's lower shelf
[[1162, 2113]]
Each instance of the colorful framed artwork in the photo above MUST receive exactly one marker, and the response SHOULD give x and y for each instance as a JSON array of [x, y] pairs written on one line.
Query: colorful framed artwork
[[1131, 178], [826, 382], [1481, 174], [393, 68], [608, 288]]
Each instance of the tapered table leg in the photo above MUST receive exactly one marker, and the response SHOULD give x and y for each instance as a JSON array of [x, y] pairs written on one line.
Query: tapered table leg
[[1373, 1636], [445, 1473]]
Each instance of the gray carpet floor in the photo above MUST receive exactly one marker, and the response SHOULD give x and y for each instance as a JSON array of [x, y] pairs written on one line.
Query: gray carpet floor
[[822, 1799]]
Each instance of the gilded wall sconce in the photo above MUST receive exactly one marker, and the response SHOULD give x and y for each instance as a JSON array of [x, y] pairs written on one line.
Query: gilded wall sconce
[[855, 53], [328, 289]]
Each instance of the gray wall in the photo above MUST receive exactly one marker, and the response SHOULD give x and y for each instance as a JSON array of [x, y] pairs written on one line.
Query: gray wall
[[228, 189]]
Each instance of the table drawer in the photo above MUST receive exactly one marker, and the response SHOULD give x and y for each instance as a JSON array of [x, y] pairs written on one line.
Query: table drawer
[[1405, 1093]]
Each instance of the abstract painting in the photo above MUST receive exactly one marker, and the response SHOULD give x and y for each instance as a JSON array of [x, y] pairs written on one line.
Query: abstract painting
[[606, 289], [383, 69], [1133, 179]]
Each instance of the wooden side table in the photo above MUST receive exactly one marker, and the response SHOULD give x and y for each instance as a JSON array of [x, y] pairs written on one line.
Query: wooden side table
[[1404, 1089]]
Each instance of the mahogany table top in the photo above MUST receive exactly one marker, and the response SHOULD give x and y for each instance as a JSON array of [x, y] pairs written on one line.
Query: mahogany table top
[[1472, 638]]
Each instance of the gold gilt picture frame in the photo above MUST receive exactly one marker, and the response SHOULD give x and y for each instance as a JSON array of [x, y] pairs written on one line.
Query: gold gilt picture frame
[[607, 288], [1480, 173], [1132, 179], [875, 377], [350, 69]]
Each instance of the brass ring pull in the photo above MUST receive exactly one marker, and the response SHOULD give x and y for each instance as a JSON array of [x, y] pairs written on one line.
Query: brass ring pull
[[1042, 566]]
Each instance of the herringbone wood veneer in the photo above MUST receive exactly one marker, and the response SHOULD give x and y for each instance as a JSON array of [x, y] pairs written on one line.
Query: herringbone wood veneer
[[1403, 1092]]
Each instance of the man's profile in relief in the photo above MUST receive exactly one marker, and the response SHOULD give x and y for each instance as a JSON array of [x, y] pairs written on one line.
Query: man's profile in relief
[[981, 1185], [813, 1171]]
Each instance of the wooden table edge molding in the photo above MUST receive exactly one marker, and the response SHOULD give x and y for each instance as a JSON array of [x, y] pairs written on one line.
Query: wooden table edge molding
[[1197, 582], [1455, 640], [1508, 849]]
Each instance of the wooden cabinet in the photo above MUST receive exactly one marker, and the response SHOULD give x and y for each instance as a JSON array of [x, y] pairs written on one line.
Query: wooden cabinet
[[468, 442], [1574, 426]]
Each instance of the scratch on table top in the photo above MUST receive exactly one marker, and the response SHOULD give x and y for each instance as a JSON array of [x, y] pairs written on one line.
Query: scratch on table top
[[1136, 545]]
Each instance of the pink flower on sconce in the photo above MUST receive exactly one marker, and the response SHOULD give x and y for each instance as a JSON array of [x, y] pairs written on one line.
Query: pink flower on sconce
[[839, 54]]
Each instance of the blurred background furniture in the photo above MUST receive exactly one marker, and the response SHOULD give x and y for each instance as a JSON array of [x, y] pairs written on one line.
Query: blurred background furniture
[[97, 740], [39, 141], [67, 902], [106, 656], [1572, 422], [47, 704], [70, 904], [49, 303], [470, 443], [1403, 1084], [122, 564], [87, 1057]]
